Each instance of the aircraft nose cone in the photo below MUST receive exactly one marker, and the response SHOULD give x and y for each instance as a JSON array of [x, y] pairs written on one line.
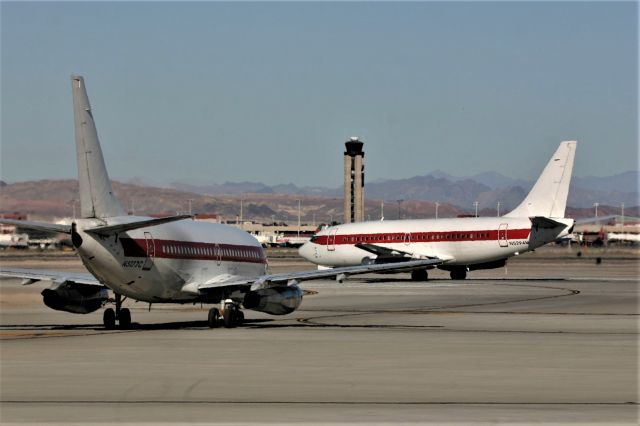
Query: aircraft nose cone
[[305, 250]]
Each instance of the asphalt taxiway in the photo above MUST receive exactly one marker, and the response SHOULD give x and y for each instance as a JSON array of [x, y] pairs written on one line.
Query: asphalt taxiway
[[551, 339]]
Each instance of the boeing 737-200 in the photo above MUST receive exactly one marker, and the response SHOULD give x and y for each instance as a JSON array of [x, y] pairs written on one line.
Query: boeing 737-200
[[161, 260], [460, 244]]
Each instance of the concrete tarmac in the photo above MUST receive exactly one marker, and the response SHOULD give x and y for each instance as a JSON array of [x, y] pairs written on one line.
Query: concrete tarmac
[[551, 339]]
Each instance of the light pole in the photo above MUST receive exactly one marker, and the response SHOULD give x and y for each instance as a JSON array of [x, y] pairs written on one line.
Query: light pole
[[190, 205], [298, 218], [382, 210], [622, 215], [475, 203], [241, 219], [498, 209], [399, 208], [437, 205], [596, 206]]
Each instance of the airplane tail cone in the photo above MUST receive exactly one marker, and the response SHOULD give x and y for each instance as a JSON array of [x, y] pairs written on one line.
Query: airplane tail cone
[[96, 195], [548, 197]]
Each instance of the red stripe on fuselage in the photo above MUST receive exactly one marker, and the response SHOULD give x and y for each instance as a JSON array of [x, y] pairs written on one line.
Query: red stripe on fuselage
[[173, 249], [425, 237]]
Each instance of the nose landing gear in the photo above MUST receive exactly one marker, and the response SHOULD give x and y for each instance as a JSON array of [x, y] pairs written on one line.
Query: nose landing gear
[[419, 275]]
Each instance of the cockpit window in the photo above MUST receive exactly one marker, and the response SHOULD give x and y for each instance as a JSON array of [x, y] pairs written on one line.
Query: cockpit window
[[314, 238]]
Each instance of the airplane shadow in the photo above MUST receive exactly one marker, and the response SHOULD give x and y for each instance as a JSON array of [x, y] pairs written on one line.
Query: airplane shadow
[[466, 281], [178, 325]]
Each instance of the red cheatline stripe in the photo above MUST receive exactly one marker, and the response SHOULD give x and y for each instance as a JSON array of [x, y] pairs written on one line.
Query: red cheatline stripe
[[425, 237], [172, 249]]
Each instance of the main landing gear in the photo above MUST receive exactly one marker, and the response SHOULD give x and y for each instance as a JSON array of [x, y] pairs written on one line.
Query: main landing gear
[[458, 274], [419, 275], [231, 316], [122, 315]]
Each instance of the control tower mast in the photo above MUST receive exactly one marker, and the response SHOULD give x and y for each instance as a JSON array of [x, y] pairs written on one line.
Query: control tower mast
[[353, 181]]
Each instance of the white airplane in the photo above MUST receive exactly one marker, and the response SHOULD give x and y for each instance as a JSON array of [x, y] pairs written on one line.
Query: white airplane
[[165, 260], [461, 244]]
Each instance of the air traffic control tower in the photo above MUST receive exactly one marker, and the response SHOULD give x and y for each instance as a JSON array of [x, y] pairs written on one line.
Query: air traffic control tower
[[353, 181]]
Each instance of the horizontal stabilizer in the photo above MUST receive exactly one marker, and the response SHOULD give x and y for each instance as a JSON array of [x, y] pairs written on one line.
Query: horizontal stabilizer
[[31, 276], [597, 219], [130, 226], [547, 223], [38, 226]]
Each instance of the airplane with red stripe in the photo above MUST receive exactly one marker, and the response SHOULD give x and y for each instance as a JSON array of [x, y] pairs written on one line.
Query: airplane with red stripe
[[161, 260], [460, 244]]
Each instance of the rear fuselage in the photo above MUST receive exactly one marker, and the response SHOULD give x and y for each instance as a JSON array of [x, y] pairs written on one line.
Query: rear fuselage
[[153, 264]]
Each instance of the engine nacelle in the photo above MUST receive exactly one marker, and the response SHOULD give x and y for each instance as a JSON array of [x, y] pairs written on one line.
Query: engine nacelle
[[75, 298], [274, 300]]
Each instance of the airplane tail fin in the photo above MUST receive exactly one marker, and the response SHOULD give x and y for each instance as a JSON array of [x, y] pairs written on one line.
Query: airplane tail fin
[[548, 197], [96, 195]]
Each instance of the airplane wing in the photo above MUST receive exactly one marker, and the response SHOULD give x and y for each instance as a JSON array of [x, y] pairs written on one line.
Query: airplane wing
[[384, 252], [31, 276], [287, 277], [387, 255], [38, 226]]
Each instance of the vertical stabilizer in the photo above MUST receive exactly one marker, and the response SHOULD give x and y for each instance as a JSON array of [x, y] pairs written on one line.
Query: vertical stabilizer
[[96, 194], [548, 197]]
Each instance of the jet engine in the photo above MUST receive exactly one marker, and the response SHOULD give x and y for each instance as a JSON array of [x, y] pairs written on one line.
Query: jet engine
[[75, 298], [274, 300]]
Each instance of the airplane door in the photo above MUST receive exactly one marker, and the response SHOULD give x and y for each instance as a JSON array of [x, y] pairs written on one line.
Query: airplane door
[[502, 235], [151, 251], [331, 241], [407, 239], [217, 253]]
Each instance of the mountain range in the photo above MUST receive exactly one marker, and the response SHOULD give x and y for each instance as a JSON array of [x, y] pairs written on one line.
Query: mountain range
[[487, 188], [417, 195]]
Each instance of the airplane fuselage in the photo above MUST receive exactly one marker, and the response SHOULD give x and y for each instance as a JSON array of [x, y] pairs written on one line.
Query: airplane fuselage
[[154, 264], [459, 241]]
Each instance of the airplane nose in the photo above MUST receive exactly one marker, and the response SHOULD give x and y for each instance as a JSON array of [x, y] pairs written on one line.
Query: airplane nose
[[305, 250]]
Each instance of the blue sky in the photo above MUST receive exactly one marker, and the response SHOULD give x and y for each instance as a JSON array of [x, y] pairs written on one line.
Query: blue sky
[[215, 92]]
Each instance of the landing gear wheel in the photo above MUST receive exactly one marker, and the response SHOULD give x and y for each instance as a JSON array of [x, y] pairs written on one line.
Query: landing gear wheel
[[124, 319], [419, 275], [214, 318], [458, 274], [109, 319], [230, 316]]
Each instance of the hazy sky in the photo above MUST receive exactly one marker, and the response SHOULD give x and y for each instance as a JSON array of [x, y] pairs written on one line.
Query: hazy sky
[[214, 92]]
